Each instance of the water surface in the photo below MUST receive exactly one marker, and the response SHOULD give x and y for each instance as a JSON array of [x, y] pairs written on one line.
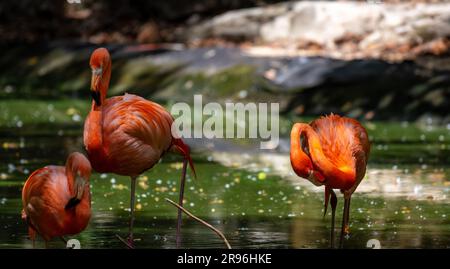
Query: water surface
[[403, 201]]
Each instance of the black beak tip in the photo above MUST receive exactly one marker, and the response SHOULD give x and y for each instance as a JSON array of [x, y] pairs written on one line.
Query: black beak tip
[[96, 97]]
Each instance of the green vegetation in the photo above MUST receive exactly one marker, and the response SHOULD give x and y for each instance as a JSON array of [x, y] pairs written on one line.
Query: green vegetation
[[19, 113]]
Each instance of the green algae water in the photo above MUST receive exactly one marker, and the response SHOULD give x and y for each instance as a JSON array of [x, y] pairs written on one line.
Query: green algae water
[[403, 202]]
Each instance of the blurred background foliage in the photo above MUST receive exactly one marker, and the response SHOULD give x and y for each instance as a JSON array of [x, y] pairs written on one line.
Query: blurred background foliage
[[47, 20], [368, 64]]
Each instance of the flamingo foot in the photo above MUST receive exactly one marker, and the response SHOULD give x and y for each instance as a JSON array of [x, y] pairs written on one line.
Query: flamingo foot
[[345, 229], [128, 243]]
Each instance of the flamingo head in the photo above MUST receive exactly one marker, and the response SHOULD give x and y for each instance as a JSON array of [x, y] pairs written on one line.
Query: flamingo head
[[304, 168], [80, 168], [300, 156], [101, 72]]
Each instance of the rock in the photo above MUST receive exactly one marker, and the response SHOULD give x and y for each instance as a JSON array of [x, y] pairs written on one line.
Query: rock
[[238, 24], [435, 47], [374, 28], [304, 73], [310, 72], [323, 22]]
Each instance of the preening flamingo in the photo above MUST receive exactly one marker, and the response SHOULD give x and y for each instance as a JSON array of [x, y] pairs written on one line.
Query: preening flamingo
[[128, 135], [331, 151], [56, 199]]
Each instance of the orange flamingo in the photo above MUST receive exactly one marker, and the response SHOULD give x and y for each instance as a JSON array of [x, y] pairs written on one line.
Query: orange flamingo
[[128, 135], [56, 199], [331, 151]]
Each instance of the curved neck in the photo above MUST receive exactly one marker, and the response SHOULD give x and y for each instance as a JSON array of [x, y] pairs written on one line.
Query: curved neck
[[100, 84], [300, 161], [320, 161], [93, 130], [70, 177]]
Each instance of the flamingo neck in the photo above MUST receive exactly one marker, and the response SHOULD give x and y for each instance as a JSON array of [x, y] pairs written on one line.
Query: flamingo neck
[[70, 176], [70, 181], [105, 83], [93, 130], [301, 163]]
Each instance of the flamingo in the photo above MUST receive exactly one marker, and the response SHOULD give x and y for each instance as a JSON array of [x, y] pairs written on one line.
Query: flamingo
[[56, 199], [331, 151], [128, 134]]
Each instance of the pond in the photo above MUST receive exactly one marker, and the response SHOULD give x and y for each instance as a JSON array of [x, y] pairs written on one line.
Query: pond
[[403, 202]]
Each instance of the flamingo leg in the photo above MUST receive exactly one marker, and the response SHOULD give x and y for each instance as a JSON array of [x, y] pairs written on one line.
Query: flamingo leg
[[180, 202], [327, 198], [130, 242], [132, 201], [345, 220], [333, 203]]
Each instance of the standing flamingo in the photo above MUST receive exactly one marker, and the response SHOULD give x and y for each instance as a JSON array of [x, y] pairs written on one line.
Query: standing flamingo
[[331, 151], [128, 135], [56, 200]]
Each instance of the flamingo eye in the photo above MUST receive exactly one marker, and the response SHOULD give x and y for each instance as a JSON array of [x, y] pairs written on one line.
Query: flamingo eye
[[97, 71]]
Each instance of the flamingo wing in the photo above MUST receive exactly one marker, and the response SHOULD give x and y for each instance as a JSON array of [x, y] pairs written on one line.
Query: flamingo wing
[[345, 142], [44, 196], [361, 148], [136, 133], [337, 140]]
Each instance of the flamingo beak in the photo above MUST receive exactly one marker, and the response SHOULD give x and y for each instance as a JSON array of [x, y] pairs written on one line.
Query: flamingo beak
[[95, 81], [96, 97], [79, 187], [80, 183], [316, 178]]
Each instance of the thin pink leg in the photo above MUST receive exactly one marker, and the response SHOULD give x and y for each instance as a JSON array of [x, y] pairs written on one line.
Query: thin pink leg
[[180, 202]]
